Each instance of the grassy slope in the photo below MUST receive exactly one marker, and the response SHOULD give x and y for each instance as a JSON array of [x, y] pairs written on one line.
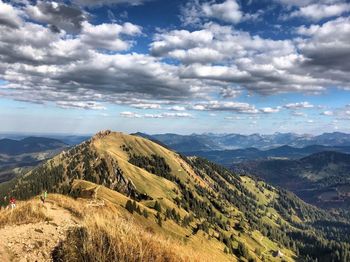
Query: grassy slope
[[162, 190], [210, 250]]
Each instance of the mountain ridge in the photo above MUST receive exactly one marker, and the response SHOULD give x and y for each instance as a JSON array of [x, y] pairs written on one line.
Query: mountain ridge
[[207, 141]]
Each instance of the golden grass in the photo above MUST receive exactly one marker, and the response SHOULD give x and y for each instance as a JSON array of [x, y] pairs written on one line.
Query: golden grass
[[105, 236], [24, 213], [74, 207]]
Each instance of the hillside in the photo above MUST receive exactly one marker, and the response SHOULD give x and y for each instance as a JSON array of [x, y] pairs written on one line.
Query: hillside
[[207, 208], [17, 156], [322, 179], [229, 157], [29, 145]]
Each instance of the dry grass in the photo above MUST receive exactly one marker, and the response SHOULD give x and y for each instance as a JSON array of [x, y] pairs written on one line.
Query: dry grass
[[24, 213], [74, 207], [104, 236]]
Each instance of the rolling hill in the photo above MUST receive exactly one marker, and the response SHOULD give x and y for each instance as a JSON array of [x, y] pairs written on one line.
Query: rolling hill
[[206, 207], [322, 179]]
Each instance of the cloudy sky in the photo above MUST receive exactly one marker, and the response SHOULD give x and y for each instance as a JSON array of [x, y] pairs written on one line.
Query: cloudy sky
[[240, 66]]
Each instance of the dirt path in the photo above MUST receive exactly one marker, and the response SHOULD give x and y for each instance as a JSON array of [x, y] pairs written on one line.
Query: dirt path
[[35, 242]]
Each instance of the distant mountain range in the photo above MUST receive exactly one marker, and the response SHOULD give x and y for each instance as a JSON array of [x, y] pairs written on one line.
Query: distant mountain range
[[229, 157], [29, 145], [209, 141], [19, 155], [322, 179]]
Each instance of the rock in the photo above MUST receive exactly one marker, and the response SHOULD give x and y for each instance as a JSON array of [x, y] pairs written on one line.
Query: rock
[[38, 230]]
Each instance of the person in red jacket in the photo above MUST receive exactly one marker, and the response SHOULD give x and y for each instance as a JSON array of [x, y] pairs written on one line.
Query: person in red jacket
[[12, 202]]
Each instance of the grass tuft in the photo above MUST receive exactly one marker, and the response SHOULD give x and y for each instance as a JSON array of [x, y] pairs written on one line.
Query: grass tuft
[[24, 213], [105, 236]]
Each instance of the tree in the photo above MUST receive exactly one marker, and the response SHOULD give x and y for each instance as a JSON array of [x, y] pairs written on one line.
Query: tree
[[145, 213], [129, 206], [242, 251], [159, 219], [157, 207]]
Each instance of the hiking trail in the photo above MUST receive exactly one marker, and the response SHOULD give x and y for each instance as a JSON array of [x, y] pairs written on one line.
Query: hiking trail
[[36, 241]]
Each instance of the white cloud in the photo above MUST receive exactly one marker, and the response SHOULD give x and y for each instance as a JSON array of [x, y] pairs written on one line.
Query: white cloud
[[146, 106], [197, 13], [9, 16], [269, 110], [108, 36], [237, 107], [177, 108], [228, 11], [84, 105], [301, 105], [128, 114], [327, 113], [57, 15], [318, 11]]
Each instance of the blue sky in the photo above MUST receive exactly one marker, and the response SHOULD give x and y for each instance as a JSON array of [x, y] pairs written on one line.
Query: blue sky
[[156, 66]]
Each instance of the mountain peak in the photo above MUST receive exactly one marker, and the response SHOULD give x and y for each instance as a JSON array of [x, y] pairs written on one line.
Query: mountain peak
[[101, 134]]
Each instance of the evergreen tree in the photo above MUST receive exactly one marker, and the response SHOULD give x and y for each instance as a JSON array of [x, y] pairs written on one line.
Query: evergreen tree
[[159, 219], [129, 206], [157, 207], [145, 213]]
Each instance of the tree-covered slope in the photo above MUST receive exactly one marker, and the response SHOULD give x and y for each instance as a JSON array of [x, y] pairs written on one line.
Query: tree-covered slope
[[322, 179], [224, 216]]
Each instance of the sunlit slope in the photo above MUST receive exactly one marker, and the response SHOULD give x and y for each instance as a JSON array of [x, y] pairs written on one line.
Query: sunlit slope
[[209, 249]]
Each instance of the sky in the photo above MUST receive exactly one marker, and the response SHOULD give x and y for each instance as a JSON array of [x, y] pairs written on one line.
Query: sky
[[175, 66]]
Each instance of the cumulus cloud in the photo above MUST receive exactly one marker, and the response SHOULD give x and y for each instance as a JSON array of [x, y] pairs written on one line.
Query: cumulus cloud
[[270, 110], [261, 65], [227, 92], [318, 11], [228, 11], [58, 15], [9, 16], [327, 50], [51, 55], [237, 107], [177, 108], [300, 105], [108, 36]]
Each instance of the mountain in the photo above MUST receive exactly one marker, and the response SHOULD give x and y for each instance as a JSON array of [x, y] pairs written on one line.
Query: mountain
[[322, 179], [17, 156], [209, 142], [29, 145], [183, 143], [229, 157], [200, 205]]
